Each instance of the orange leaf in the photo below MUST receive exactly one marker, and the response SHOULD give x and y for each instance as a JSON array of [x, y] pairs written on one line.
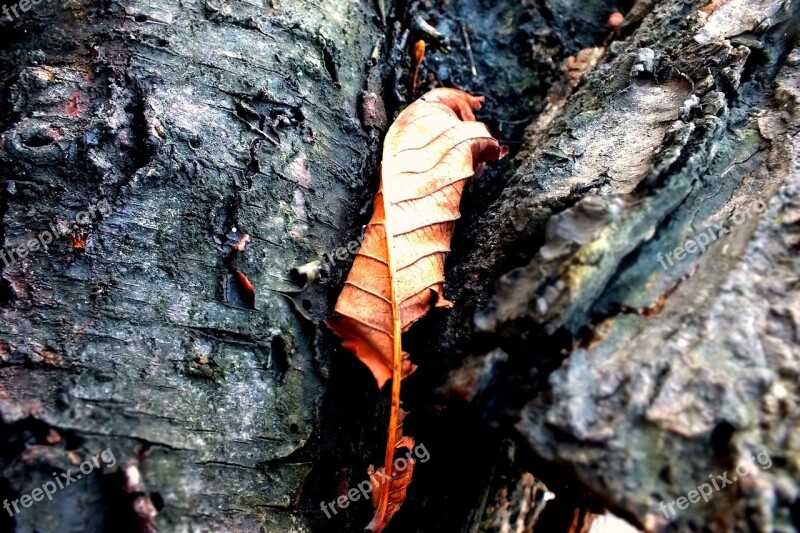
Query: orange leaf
[[582, 520], [246, 290], [419, 53], [429, 153], [615, 20], [241, 246]]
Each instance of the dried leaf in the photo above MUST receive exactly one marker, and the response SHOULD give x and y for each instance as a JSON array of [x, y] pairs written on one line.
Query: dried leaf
[[615, 20], [582, 520], [241, 246], [419, 53], [246, 291], [429, 153]]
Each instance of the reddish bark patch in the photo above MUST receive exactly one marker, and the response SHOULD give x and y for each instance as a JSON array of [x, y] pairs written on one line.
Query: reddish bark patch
[[73, 105]]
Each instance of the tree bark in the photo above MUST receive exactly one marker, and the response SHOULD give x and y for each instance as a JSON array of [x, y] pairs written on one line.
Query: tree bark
[[617, 382], [635, 375], [197, 123]]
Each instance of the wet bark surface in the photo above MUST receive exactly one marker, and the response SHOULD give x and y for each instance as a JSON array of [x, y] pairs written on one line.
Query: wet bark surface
[[196, 123], [617, 382], [639, 374]]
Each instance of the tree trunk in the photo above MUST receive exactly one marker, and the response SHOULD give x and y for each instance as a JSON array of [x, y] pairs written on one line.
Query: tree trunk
[[198, 123], [615, 374], [632, 371]]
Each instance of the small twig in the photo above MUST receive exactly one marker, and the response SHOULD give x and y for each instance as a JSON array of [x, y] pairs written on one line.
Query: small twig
[[469, 50], [271, 139], [381, 8], [434, 35]]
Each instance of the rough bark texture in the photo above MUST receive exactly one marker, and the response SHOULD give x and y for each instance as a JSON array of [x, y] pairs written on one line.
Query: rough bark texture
[[615, 381], [139, 342], [640, 381]]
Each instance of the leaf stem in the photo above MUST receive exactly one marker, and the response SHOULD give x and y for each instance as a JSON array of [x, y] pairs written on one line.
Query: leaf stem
[[378, 522]]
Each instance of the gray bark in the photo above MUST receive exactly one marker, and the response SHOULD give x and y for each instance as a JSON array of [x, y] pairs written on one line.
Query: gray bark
[[141, 342], [632, 380], [615, 382]]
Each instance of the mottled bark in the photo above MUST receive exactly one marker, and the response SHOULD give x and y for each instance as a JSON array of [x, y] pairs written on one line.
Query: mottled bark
[[635, 376], [197, 122], [616, 382]]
